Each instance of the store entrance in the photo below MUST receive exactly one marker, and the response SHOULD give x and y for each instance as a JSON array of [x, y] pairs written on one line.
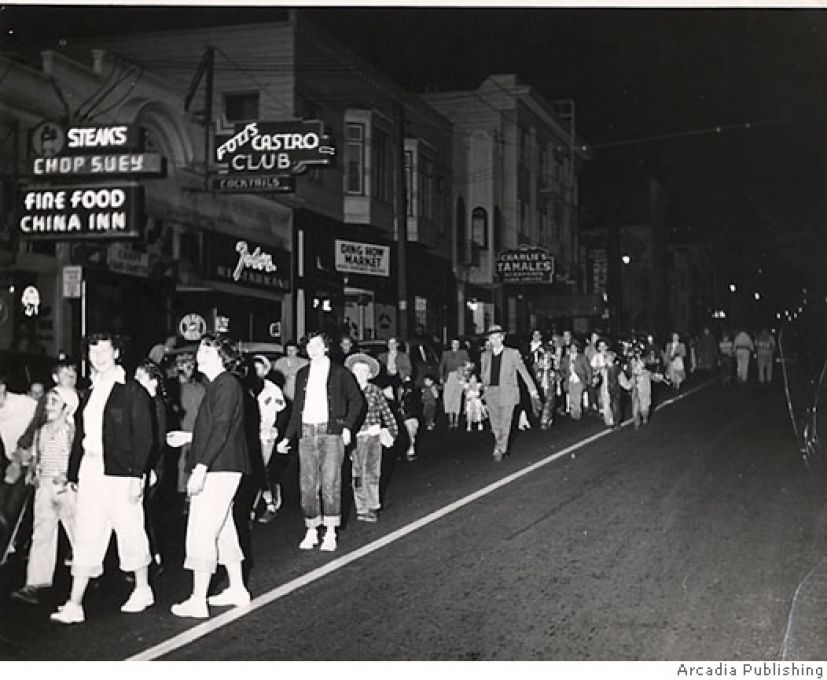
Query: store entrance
[[359, 314]]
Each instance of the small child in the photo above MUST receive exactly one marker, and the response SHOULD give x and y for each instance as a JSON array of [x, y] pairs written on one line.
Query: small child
[[640, 385], [54, 500], [475, 411], [410, 409], [430, 396], [378, 430]]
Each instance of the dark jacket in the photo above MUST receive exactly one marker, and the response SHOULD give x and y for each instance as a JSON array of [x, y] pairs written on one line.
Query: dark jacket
[[218, 437], [127, 432], [346, 404]]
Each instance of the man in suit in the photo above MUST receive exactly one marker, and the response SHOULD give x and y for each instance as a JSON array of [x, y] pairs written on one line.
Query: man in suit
[[500, 367]]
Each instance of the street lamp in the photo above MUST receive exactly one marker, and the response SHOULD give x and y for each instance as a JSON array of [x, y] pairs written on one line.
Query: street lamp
[[626, 259], [756, 295], [732, 288]]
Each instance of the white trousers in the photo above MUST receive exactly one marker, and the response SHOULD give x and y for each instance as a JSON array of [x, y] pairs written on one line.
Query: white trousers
[[104, 506], [53, 505], [212, 538]]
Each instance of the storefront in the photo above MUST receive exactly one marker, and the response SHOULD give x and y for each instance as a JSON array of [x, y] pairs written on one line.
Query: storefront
[[242, 291]]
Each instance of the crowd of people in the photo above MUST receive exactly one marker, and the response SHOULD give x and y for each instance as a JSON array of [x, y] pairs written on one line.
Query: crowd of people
[[97, 459]]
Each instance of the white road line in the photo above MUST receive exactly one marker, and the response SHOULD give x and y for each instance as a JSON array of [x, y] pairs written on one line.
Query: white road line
[[207, 627]]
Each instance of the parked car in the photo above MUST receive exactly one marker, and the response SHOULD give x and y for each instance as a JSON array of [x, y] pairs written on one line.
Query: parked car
[[424, 357]]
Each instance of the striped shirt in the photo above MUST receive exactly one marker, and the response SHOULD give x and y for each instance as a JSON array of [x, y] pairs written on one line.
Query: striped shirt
[[53, 444]]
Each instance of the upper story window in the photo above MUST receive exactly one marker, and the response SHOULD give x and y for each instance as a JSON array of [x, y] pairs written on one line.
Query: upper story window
[[479, 227], [427, 188], [382, 180], [241, 106], [409, 184], [355, 158]]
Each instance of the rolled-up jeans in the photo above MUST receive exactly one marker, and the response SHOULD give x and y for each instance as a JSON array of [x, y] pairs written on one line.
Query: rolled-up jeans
[[320, 475], [367, 466]]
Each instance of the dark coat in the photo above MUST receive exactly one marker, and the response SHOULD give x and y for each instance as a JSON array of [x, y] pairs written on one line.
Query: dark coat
[[346, 406], [127, 432], [219, 439]]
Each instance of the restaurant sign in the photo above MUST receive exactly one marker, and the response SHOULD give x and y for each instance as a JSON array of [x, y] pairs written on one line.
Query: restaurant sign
[[525, 265], [92, 151], [82, 212], [274, 148], [240, 261]]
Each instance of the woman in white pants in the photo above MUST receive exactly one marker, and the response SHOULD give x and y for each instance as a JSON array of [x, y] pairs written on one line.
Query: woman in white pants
[[216, 461]]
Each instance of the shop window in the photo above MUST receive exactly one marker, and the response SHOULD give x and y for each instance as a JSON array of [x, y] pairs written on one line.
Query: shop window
[[355, 159], [241, 106]]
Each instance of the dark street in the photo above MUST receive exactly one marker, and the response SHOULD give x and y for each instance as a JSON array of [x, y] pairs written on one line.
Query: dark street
[[700, 536]]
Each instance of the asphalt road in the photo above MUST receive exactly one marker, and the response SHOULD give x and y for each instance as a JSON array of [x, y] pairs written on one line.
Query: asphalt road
[[698, 537]]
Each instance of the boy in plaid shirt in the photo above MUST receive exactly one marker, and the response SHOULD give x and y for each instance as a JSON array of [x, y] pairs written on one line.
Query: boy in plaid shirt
[[378, 429]]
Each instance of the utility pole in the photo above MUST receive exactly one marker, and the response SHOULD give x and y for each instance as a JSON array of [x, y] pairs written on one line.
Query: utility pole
[[401, 229], [205, 67]]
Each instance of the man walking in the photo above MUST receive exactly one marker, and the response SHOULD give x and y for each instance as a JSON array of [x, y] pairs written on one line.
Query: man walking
[[743, 350], [500, 367], [764, 350], [328, 411]]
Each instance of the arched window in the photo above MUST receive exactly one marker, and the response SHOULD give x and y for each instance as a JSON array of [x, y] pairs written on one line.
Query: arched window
[[479, 227], [461, 233]]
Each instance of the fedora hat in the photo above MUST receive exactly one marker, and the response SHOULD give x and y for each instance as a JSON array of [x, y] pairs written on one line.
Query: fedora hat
[[495, 328], [362, 358]]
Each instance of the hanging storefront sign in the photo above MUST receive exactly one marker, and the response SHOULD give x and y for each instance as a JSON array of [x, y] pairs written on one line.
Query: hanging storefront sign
[[273, 148], [81, 212], [243, 262], [362, 258], [122, 258], [253, 184], [92, 151], [72, 281], [192, 327], [525, 265]]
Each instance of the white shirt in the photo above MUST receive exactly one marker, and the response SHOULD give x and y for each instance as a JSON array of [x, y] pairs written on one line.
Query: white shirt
[[315, 401], [15, 415], [270, 402], [102, 385]]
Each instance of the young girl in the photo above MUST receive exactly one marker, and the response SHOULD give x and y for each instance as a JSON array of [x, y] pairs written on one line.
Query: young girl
[[475, 411], [54, 501], [410, 409]]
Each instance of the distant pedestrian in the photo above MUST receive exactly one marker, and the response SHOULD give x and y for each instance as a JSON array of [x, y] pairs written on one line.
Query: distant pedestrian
[[185, 394], [396, 362], [639, 384], [475, 411], [328, 410], [410, 411], [577, 375], [271, 402], [430, 401], [674, 358], [451, 367], [743, 351], [726, 357], [288, 366], [501, 367], [707, 351], [764, 351]]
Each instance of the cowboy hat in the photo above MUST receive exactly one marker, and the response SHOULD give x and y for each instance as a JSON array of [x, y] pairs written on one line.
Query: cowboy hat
[[362, 358]]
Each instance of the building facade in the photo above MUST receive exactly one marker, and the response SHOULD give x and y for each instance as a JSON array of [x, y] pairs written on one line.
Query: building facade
[[516, 162]]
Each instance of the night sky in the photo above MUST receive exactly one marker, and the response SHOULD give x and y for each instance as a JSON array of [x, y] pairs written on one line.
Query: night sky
[[650, 86]]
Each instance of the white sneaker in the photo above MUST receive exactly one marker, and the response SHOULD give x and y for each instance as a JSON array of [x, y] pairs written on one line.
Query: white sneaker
[[68, 613], [140, 599], [191, 608], [310, 540], [329, 542], [231, 597]]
